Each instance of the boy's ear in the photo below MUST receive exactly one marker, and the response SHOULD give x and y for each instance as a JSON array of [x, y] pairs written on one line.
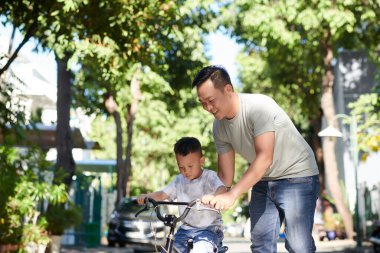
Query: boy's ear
[[202, 160]]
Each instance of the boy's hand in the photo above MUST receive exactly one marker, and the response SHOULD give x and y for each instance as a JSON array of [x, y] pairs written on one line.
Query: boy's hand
[[141, 199], [206, 199]]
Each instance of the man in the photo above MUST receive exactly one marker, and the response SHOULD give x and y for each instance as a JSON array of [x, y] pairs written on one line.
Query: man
[[283, 172]]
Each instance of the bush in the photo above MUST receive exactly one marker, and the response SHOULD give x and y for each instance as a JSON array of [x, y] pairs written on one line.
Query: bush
[[20, 195], [61, 217]]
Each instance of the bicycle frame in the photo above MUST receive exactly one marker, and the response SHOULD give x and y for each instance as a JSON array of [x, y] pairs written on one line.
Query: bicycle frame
[[169, 219]]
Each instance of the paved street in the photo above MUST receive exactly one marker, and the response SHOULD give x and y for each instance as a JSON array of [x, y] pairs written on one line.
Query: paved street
[[241, 245]]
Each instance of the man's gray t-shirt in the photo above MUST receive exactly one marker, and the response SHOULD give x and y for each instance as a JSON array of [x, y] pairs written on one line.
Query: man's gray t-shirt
[[259, 114], [185, 190]]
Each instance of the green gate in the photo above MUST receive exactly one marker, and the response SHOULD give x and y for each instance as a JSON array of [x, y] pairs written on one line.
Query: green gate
[[88, 196]]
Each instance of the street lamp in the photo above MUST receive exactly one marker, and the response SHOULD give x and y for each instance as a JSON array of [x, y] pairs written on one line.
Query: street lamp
[[331, 131]]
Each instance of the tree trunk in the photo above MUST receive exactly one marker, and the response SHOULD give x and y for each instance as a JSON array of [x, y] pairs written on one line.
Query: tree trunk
[[112, 108], [316, 145], [65, 158], [136, 95], [331, 170]]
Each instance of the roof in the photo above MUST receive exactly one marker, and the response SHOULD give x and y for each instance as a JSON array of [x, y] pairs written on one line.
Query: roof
[[43, 136], [96, 165]]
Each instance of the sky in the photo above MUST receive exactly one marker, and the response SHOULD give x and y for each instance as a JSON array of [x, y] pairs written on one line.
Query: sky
[[221, 49], [44, 61]]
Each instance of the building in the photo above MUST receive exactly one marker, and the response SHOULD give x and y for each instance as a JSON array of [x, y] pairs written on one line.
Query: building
[[355, 75]]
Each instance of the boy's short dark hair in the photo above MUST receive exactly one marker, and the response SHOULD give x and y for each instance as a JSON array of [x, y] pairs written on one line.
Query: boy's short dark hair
[[217, 74], [187, 145]]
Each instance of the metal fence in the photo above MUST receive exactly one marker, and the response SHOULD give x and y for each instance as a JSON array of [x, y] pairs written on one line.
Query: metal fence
[[369, 207]]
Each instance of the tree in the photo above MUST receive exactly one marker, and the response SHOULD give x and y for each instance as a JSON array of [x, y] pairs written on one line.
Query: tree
[[158, 126], [367, 113], [113, 41], [40, 20], [65, 159], [294, 43], [120, 85], [163, 36]]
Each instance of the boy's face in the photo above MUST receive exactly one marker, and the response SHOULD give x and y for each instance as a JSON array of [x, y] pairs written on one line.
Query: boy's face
[[190, 165]]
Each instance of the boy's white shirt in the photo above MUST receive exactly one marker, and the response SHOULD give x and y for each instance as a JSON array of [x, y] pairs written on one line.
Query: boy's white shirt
[[185, 190]]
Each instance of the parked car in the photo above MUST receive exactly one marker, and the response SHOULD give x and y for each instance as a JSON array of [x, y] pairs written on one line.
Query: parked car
[[145, 231], [375, 237]]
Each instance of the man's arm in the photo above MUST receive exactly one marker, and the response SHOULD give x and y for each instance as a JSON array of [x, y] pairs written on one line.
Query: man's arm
[[220, 190], [264, 147], [226, 170]]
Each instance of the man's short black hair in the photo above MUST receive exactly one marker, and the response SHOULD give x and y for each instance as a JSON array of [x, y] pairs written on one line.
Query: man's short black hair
[[217, 74], [187, 145]]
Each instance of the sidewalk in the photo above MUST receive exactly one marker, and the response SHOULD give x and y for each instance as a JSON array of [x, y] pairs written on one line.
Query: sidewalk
[[241, 245]]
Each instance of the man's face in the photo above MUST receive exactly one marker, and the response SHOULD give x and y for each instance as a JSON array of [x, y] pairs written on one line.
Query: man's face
[[215, 101], [190, 165]]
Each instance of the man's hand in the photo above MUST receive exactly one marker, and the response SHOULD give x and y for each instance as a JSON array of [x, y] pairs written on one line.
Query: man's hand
[[207, 198], [220, 202]]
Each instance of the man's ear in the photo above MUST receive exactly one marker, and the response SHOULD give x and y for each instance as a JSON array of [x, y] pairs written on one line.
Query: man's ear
[[228, 88]]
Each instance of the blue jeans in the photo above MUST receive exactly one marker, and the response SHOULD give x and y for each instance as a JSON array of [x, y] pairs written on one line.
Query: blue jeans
[[205, 240], [292, 200]]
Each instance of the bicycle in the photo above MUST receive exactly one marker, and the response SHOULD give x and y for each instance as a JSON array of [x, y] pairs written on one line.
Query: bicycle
[[171, 220]]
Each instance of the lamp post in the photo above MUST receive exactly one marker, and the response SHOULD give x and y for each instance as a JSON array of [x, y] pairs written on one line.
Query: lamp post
[[331, 131]]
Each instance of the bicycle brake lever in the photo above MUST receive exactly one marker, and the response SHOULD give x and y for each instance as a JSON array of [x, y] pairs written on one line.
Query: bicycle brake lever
[[142, 210]]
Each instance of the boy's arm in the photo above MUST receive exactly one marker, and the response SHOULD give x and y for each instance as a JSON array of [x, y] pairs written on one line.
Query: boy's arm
[[158, 196]]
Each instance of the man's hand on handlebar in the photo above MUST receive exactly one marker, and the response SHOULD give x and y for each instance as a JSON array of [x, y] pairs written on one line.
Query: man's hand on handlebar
[[221, 202], [206, 199]]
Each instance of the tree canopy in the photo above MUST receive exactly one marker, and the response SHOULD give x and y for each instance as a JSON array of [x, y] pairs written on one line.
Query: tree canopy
[[143, 55]]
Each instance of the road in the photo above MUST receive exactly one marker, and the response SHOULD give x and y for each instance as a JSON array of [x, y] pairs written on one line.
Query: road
[[241, 245]]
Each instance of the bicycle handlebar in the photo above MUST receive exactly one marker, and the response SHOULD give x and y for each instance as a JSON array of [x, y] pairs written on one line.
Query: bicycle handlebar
[[158, 203]]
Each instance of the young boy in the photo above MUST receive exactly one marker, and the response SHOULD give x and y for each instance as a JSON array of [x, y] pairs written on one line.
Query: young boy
[[203, 226]]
